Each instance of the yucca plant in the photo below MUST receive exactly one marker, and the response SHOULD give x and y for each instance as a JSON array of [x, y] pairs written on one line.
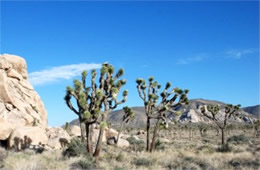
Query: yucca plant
[[157, 110], [128, 115], [212, 112], [95, 102]]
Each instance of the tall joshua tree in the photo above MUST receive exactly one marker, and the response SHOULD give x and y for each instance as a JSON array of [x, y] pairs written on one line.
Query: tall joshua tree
[[95, 102], [212, 112], [170, 100]]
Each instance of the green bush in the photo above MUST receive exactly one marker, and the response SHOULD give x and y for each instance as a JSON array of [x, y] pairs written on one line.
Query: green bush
[[159, 145], [136, 145], [87, 164], [75, 148], [143, 162], [3, 155], [244, 163], [120, 168], [131, 140], [120, 157], [238, 139], [224, 148], [206, 149]]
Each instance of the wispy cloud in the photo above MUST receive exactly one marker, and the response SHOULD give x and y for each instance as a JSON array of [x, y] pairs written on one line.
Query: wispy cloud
[[237, 54], [59, 73], [189, 60]]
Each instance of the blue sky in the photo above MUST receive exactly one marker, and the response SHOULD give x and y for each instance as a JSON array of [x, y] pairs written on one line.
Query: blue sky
[[211, 48]]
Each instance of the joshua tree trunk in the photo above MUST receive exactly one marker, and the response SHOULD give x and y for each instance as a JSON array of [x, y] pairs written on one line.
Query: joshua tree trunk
[[217, 132], [148, 135], [222, 136], [82, 127], [89, 130], [119, 132], [100, 137], [190, 134], [154, 135], [99, 142]]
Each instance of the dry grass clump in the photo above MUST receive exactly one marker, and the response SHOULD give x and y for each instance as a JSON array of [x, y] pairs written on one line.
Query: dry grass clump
[[3, 155], [30, 161]]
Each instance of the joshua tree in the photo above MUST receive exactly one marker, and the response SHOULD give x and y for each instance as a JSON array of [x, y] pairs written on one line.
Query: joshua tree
[[202, 128], [155, 110], [212, 111], [256, 125], [129, 114], [96, 102], [78, 94], [66, 127]]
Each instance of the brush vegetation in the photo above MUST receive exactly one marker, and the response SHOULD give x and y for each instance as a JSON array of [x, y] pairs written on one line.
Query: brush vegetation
[[181, 151]]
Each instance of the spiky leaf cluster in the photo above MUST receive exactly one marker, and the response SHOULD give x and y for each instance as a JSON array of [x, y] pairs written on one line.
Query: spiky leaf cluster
[[128, 114]]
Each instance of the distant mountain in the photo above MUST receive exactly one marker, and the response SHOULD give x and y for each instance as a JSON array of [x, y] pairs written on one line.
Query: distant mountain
[[253, 110], [116, 116], [190, 113]]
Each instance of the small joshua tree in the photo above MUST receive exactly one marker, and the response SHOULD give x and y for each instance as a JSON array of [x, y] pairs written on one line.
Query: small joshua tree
[[96, 102], [155, 110], [202, 129], [256, 125], [129, 115], [78, 94], [67, 127], [212, 112]]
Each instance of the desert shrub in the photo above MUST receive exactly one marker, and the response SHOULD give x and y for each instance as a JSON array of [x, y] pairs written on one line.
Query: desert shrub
[[189, 162], [143, 162], [224, 148], [182, 165], [203, 128], [131, 140], [206, 141], [75, 148], [159, 145], [85, 163], [206, 149], [3, 155], [136, 145], [238, 139], [245, 163], [120, 168], [109, 156], [120, 157]]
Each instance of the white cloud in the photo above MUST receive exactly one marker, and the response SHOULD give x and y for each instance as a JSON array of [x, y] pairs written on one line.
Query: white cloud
[[58, 73], [190, 60], [237, 54]]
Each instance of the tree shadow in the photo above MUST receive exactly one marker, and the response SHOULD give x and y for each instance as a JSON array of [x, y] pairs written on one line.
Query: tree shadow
[[21, 144]]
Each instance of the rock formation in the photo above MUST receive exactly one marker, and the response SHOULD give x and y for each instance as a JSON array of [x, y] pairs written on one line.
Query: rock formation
[[56, 135], [6, 129], [20, 104], [192, 113]]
